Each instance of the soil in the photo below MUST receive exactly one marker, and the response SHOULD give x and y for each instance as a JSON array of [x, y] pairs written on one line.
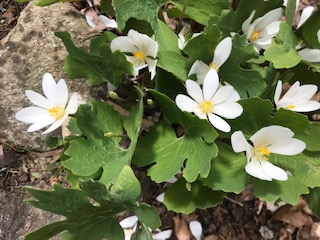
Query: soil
[[241, 216]]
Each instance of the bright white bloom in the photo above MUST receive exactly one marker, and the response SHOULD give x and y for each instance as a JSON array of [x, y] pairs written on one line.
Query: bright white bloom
[[306, 13], [162, 235], [297, 98], [263, 29], [51, 109], [129, 226], [221, 54], [311, 55], [211, 102], [196, 229], [95, 20], [140, 50], [268, 140]]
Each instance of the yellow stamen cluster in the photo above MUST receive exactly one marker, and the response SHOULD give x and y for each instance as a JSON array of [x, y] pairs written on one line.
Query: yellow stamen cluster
[[291, 106], [140, 55], [214, 66], [56, 112], [254, 36], [261, 152], [206, 107]]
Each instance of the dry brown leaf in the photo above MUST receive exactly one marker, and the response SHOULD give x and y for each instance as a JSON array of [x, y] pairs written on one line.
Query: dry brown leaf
[[293, 215], [181, 227], [211, 237], [4, 40]]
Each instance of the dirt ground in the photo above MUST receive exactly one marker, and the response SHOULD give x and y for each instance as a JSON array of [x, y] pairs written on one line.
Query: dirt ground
[[241, 216]]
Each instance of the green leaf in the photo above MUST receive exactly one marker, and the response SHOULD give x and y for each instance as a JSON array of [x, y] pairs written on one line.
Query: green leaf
[[290, 11], [148, 215], [248, 82], [227, 167], [106, 67], [185, 199], [313, 200], [106, 7], [201, 10], [196, 146], [309, 30], [46, 2], [282, 52], [174, 63], [53, 142]]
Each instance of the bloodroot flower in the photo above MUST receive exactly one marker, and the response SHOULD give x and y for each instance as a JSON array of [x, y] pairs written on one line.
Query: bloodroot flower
[[139, 49], [297, 98], [211, 102], [53, 109], [268, 140], [221, 54]]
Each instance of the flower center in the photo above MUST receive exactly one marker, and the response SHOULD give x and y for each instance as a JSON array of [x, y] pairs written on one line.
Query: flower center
[[291, 106], [56, 112], [214, 66], [254, 36], [140, 56], [206, 107], [261, 152]]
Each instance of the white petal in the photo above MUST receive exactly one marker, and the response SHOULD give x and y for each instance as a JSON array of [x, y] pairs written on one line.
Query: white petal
[[194, 91], [144, 43], [181, 41], [288, 147], [254, 169], [306, 106], [185, 103], [305, 92], [269, 17], [306, 13], [160, 197], [273, 171], [129, 222], [41, 124], [152, 67], [210, 84], [89, 19], [62, 93], [73, 104], [238, 142], [229, 110], [278, 92], [222, 51], [270, 31], [162, 235], [124, 44], [310, 55], [196, 229], [200, 69], [246, 23], [223, 94], [49, 87], [32, 114], [292, 91], [111, 23], [38, 100], [219, 123], [318, 35], [56, 124]]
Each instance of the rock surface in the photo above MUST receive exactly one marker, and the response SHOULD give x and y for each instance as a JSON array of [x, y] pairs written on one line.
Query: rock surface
[[31, 51]]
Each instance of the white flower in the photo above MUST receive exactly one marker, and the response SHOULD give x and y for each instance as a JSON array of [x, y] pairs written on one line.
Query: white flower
[[297, 98], [263, 29], [51, 109], [129, 226], [221, 54], [210, 102], [162, 235], [306, 13], [268, 140], [99, 21], [311, 55], [181, 36], [140, 50]]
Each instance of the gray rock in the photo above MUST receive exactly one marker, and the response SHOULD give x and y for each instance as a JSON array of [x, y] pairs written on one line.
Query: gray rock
[[31, 51]]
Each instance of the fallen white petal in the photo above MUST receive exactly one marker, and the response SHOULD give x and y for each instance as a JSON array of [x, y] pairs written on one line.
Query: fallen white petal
[[196, 229], [129, 222], [160, 197], [162, 235], [111, 23], [238, 142]]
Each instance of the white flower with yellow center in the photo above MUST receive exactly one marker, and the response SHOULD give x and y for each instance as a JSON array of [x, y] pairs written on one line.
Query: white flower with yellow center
[[139, 49], [211, 102], [266, 141], [53, 109], [221, 54], [263, 29], [297, 98]]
